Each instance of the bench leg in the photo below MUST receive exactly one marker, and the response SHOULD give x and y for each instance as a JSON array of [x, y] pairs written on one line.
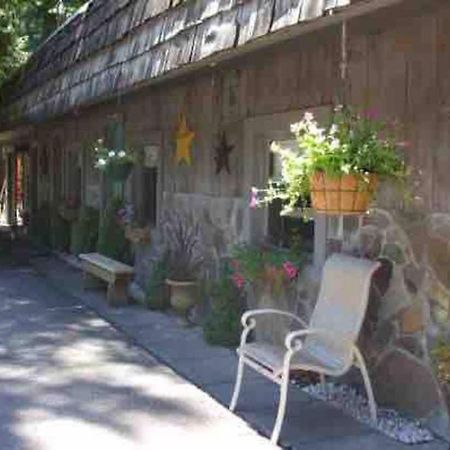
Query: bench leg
[[91, 282], [117, 294]]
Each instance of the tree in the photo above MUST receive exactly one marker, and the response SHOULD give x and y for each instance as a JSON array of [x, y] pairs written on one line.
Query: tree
[[24, 24]]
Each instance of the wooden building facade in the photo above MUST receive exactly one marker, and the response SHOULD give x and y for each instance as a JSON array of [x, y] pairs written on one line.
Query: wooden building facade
[[242, 72]]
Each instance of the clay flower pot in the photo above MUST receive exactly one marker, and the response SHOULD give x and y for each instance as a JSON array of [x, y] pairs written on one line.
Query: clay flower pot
[[183, 297], [347, 194]]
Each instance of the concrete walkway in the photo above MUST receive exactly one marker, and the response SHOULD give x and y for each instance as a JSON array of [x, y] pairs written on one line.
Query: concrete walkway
[[70, 381], [310, 424]]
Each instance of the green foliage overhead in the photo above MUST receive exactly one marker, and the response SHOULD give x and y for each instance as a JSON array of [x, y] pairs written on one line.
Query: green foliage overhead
[[24, 24]]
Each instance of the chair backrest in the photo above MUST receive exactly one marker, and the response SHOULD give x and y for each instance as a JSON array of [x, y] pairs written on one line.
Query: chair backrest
[[341, 307]]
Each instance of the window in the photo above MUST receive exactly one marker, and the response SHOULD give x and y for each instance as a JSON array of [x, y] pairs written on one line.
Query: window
[[287, 230]]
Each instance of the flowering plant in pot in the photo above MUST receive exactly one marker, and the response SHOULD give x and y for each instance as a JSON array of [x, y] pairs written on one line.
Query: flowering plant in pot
[[273, 268], [133, 231], [184, 257], [337, 168]]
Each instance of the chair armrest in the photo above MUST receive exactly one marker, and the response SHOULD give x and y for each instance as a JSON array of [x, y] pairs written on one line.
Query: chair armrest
[[248, 317], [293, 342]]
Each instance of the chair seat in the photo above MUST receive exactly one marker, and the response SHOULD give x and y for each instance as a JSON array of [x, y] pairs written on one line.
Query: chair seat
[[271, 357]]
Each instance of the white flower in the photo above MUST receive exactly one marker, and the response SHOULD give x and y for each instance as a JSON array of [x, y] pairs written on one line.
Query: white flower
[[308, 117], [111, 154], [122, 154], [101, 162]]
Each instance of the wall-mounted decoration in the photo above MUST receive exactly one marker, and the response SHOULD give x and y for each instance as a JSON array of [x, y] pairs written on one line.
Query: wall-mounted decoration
[[184, 138], [151, 155], [222, 156]]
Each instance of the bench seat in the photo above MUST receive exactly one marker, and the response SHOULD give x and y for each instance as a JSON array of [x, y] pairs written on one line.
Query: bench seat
[[116, 274]]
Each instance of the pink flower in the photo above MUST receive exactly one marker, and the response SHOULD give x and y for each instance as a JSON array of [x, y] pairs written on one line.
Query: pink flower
[[238, 280], [253, 198], [290, 270], [372, 114]]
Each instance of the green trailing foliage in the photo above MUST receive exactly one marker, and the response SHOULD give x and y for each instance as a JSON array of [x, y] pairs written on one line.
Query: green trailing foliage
[[24, 24], [157, 295], [111, 235], [85, 231], [223, 323]]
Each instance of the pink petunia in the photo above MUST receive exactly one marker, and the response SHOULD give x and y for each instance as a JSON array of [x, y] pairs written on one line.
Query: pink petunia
[[290, 270], [253, 198], [238, 280]]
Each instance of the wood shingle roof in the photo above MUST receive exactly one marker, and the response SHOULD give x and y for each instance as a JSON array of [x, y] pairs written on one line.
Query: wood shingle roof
[[111, 46]]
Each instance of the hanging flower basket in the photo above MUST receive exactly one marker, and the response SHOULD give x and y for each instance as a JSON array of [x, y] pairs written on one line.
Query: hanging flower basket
[[118, 171], [336, 167], [346, 194]]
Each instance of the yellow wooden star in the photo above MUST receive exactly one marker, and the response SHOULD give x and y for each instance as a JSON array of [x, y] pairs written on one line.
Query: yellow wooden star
[[184, 138]]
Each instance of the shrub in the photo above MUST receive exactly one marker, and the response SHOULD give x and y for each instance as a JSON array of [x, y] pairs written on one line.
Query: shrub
[[157, 295], [40, 231], [60, 231], [111, 236], [223, 323], [85, 231]]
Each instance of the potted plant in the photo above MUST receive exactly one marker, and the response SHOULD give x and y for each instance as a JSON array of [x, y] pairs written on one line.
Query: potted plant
[[184, 258], [336, 168], [133, 232], [268, 267]]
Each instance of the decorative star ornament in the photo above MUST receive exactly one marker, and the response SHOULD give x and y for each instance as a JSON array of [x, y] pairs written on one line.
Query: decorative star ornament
[[222, 157], [184, 137]]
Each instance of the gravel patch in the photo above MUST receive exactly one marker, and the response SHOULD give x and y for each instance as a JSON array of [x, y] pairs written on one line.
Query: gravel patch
[[389, 422]]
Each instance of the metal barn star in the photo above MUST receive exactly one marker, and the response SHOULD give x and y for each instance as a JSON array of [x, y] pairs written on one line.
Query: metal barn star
[[184, 138], [223, 151]]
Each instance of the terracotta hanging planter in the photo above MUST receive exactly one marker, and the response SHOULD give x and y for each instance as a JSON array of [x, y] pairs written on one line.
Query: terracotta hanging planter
[[347, 194]]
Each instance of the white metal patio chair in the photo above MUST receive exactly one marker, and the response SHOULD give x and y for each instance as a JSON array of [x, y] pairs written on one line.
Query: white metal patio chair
[[326, 346]]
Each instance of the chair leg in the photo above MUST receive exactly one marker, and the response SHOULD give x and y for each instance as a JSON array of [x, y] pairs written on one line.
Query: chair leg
[[238, 383], [367, 385], [281, 408]]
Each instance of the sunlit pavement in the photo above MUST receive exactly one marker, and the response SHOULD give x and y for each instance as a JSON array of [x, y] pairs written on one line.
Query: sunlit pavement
[[68, 380]]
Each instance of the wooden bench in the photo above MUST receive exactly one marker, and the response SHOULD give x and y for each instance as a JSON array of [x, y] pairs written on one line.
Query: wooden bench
[[115, 273]]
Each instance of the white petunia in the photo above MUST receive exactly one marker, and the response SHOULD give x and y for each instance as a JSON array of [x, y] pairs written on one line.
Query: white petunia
[[101, 162], [111, 154], [122, 154]]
